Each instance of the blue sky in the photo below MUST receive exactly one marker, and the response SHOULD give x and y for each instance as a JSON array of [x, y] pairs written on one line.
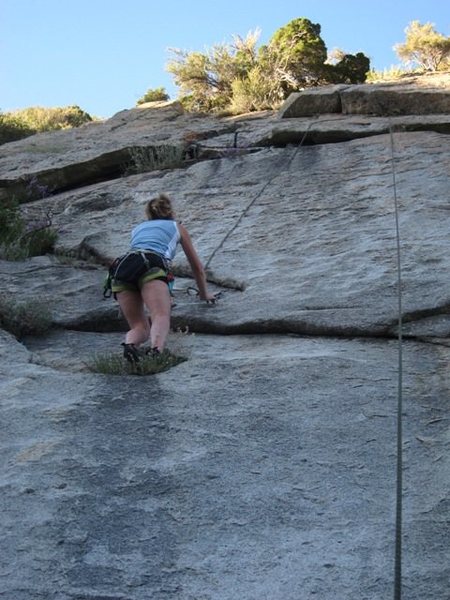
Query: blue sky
[[104, 54]]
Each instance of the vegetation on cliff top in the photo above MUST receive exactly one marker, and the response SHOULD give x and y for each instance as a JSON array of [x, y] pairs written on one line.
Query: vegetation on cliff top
[[22, 123], [240, 76]]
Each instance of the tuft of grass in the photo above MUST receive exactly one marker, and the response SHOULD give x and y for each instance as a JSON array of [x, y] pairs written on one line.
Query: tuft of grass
[[41, 241], [24, 318], [154, 158], [19, 239], [113, 364], [392, 74], [34, 243]]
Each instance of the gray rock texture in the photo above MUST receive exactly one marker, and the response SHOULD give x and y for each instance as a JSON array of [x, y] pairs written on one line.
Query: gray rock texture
[[263, 467], [409, 95]]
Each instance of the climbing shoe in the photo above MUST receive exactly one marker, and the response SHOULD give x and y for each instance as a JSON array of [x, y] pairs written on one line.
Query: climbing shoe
[[152, 352], [130, 353]]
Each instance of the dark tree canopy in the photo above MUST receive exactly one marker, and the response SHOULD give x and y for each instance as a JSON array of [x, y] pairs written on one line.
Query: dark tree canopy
[[299, 52], [352, 68]]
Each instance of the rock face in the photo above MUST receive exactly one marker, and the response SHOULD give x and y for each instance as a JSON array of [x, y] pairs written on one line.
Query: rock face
[[425, 95], [264, 465]]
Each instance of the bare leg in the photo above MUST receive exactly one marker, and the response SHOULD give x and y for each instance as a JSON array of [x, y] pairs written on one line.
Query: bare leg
[[133, 310], [157, 299]]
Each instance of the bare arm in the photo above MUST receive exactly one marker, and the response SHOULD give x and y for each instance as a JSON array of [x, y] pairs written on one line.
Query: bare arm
[[195, 263]]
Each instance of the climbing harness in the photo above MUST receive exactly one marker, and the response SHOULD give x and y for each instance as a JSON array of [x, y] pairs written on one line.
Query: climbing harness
[[132, 265], [399, 470], [129, 267]]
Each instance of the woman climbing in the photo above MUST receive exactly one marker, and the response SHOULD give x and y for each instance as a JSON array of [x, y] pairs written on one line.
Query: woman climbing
[[140, 278]]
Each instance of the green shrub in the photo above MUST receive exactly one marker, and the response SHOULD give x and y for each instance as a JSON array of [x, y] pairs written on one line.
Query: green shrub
[[188, 102], [19, 241], [40, 241], [12, 128], [115, 364], [242, 77], [40, 118], [28, 121], [424, 47], [36, 243], [255, 92], [24, 318], [394, 72], [154, 95], [11, 224]]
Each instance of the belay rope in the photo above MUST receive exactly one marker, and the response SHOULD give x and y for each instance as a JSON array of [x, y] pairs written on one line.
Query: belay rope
[[399, 473], [258, 195], [399, 466], [192, 290]]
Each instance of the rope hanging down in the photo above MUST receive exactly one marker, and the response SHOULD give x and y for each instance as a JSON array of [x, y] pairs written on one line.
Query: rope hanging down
[[192, 290], [258, 195], [399, 468], [399, 475]]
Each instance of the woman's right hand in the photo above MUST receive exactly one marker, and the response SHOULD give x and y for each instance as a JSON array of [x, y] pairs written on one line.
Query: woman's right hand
[[196, 266], [210, 298]]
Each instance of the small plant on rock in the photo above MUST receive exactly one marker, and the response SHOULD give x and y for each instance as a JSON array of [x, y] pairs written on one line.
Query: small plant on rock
[[154, 158], [24, 318], [154, 95], [114, 364], [21, 239]]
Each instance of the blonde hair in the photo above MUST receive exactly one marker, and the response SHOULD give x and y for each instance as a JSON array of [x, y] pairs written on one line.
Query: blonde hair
[[159, 208]]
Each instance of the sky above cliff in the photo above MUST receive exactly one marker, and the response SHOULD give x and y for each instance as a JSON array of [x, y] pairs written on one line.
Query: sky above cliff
[[103, 55]]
